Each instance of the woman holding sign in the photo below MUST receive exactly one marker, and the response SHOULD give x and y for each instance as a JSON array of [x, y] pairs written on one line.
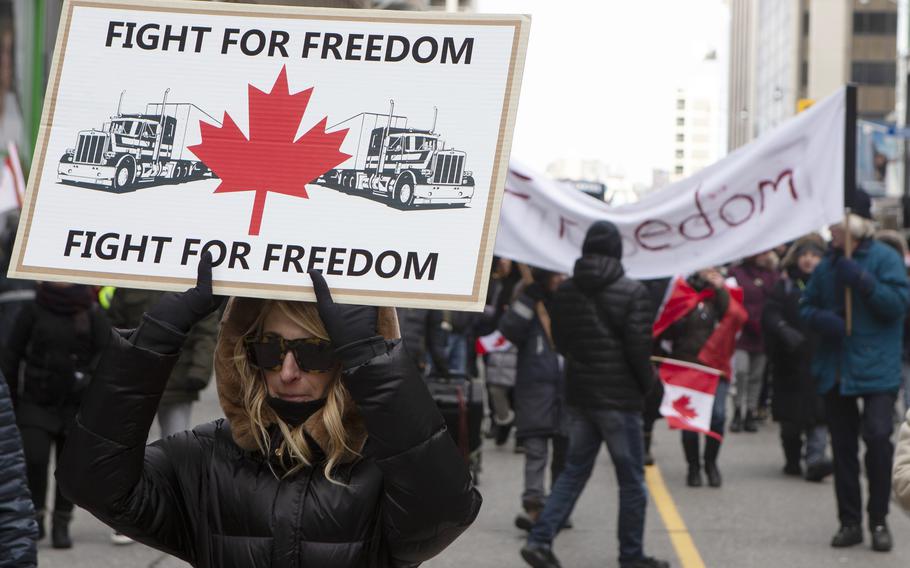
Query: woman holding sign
[[332, 453]]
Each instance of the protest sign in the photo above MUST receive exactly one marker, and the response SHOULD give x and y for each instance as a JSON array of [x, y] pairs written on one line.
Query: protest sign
[[780, 186], [370, 145]]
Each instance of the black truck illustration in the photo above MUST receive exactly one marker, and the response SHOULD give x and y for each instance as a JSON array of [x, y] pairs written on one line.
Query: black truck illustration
[[406, 167], [134, 149]]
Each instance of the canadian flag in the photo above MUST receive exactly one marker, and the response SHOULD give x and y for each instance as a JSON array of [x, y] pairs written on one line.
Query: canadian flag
[[492, 343], [688, 395], [12, 182]]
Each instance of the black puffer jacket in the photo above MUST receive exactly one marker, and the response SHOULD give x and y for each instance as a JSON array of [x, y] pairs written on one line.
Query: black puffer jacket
[[18, 529], [602, 325], [209, 498]]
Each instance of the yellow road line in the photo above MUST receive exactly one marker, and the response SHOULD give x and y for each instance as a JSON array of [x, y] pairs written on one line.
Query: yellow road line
[[679, 534]]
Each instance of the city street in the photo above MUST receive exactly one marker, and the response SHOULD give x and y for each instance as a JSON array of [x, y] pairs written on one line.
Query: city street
[[759, 518]]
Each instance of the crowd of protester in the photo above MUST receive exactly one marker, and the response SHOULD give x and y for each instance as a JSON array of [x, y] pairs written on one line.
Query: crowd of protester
[[572, 369]]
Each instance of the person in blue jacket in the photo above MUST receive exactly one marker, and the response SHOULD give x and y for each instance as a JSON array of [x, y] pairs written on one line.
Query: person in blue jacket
[[862, 363]]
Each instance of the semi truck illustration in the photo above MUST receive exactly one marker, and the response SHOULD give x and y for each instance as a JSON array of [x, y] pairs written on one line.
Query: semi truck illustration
[[405, 166], [134, 149]]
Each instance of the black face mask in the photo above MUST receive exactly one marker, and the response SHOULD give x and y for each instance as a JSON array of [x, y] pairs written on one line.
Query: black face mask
[[294, 413]]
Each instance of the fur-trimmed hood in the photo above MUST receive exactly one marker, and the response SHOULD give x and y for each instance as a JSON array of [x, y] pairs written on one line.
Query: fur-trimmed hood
[[238, 317]]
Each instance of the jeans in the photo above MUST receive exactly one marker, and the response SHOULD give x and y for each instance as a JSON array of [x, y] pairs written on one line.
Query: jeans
[[537, 454], [174, 417], [457, 354], [749, 372], [846, 425], [622, 433], [816, 442]]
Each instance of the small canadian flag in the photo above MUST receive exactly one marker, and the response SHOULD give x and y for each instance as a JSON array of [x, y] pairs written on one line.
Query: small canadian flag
[[12, 182], [492, 343], [688, 395]]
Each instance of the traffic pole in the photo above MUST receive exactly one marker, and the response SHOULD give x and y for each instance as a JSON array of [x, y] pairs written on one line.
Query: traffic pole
[[849, 193]]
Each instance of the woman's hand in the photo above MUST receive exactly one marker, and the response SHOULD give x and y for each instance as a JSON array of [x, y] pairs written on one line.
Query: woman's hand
[[351, 328], [183, 311]]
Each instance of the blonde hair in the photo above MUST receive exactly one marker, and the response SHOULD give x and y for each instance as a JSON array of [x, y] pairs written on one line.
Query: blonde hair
[[294, 451]]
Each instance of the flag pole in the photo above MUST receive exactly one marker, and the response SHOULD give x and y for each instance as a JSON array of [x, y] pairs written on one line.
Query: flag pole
[[848, 292]]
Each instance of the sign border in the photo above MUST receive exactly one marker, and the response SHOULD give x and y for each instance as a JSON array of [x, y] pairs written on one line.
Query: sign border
[[473, 302]]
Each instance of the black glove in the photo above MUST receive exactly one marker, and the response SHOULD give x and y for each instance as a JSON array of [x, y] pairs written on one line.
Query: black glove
[[829, 324], [791, 338], [850, 273], [351, 328], [183, 311]]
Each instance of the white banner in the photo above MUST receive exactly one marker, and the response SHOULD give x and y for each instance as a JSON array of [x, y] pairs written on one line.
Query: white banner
[[371, 145], [775, 189]]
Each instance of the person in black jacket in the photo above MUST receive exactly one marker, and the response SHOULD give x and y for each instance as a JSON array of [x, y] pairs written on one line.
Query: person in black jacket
[[539, 390], [332, 454], [54, 347], [18, 529], [791, 346], [602, 325]]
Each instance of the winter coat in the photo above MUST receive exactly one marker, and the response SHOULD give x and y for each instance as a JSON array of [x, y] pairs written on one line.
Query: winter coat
[[690, 332], [193, 370], [869, 361], [901, 473], [757, 283], [795, 398], [56, 354], [423, 335], [18, 529], [539, 382], [211, 498], [14, 293], [602, 326]]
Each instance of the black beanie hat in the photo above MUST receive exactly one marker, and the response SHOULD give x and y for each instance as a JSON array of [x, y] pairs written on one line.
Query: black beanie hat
[[603, 238]]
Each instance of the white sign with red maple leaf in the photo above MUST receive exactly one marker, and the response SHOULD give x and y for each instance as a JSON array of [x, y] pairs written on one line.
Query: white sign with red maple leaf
[[688, 395], [372, 146]]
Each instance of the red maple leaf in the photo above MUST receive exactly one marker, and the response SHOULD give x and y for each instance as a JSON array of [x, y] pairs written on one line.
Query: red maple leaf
[[683, 406], [270, 160]]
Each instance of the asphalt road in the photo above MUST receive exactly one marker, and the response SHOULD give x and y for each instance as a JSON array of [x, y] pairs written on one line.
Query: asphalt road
[[758, 519]]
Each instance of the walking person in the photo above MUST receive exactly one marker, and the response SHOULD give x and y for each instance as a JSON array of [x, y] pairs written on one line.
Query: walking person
[[862, 363], [18, 529], [902, 465], [602, 326], [539, 391], [333, 453], [756, 276], [54, 346], [700, 321], [791, 345]]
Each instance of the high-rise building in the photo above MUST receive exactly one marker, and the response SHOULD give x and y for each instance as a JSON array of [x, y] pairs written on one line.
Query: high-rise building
[[698, 120], [786, 50]]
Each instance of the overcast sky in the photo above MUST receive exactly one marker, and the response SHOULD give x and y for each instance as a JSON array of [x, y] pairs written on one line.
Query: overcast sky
[[601, 76]]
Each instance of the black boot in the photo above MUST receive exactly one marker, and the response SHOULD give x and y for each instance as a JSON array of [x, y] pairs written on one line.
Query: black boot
[[793, 454], [690, 448], [848, 535], [649, 459], [712, 449], [39, 518], [749, 424], [736, 425], [881, 537], [60, 530]]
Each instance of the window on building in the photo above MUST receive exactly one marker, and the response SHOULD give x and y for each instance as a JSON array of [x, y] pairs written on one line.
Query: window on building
[[680, 137], [680, 121], [874, 72], [806, 24], [804, 74], [679, 154], [875, 23], [678, 170], [680, 104]]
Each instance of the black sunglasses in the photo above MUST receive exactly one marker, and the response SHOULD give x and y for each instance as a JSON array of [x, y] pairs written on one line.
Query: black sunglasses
[[267, 352]]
